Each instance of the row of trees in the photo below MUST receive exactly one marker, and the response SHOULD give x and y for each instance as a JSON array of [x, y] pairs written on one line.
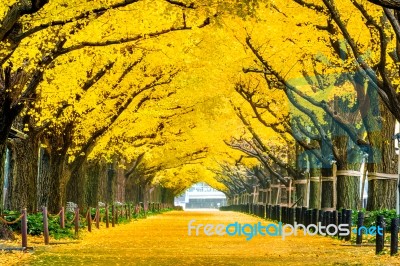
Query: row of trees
[[113, 98], [330, 97], [79, 81]]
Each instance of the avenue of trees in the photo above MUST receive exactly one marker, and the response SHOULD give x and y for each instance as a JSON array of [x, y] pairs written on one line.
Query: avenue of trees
[[131, 100]]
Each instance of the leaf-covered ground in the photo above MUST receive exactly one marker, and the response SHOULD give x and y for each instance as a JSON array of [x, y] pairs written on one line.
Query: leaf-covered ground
[[164, 240]]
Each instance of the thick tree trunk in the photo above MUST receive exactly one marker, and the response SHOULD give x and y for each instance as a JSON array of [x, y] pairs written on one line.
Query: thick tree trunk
[[76, 187], [92, 188], [44, 181], [382, 192], [121, 183], [111, 173], [348, 157], [315, 173], [327, 193], [58, 175], [348, 192], [301, 184], [9, 177], [3, 148], [132, 190], [25, 172]]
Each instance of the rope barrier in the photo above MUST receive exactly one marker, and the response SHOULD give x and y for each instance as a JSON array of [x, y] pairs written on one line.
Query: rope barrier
[[55, 215], [84, 220], [13, 222], [95, 216], [73, 219]]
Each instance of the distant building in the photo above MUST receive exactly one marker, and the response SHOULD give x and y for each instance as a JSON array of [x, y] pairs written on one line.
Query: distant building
[[201, 195]]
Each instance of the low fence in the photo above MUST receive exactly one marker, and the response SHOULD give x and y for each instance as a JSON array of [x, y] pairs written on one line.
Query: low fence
[[110, 216], [306, 217]]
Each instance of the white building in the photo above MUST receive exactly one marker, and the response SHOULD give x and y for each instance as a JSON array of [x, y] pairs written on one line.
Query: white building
[[201, 195]]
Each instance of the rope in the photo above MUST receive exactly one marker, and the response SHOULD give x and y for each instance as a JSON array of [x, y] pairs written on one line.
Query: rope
[[348, 173], [314, 179], [55, 215], [73, 219], [382, 176], [13, 222], [84, 220], [95, 217], [327, 178], [300, 182]]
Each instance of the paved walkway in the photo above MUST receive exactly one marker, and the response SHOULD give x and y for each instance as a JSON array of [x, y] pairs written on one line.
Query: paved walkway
[[164, 240]]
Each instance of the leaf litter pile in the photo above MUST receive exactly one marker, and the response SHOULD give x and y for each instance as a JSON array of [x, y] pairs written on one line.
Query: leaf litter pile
[[164, 240]]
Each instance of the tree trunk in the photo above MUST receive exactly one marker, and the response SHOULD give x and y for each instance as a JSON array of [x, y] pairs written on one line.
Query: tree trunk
[[2, 171], [58, 174], [111, 173], [315, 172], [92, 188], [301, 184], [76, 187], [9, 177], [120, 185], [348, 156], [382, 192], [24, 189], [327, 194], [44, 181]]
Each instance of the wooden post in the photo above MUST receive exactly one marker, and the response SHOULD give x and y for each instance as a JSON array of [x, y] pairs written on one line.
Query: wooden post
[[394, 236], [320, 192], [62, 218], [107, 217], [89, 219], [45, 226], [76, 221], [97, 217], [113, 215], [116, 214], [24, 228], [348, 222], [360, 223], [290, 194], [334, 170], [380, 239]]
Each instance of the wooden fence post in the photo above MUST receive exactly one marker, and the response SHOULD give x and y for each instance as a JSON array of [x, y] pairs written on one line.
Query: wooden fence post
[[380, 238], [360, 223], [394, 236], [107, 217], [97, 217], [62, 218], [76, 221], [113, 215], [45, 226], [89, 219], [24, 228]]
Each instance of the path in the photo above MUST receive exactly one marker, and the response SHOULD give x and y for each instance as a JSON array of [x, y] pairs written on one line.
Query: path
[[164, 240]]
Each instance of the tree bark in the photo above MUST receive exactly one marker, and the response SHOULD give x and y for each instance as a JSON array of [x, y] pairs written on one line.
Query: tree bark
[[3, 148], [44, 181], [24, 189], [382, 192], [93, 178], [315, 172]]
